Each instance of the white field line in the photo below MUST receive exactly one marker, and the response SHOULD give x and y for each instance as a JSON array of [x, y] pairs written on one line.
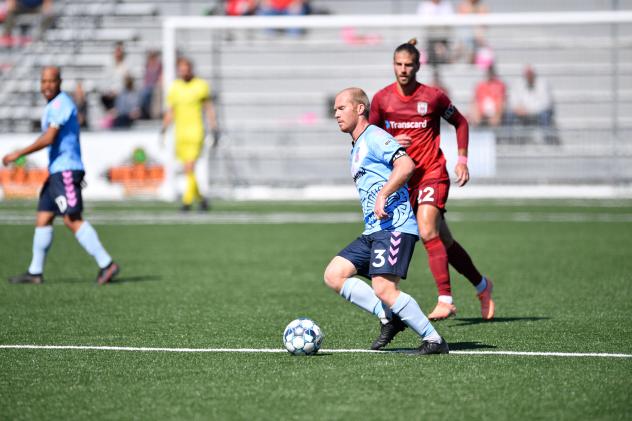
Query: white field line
[[280, 350], [169, 218]]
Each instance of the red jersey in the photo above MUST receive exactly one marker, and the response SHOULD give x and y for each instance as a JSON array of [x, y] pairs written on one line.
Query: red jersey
[[419, 116]]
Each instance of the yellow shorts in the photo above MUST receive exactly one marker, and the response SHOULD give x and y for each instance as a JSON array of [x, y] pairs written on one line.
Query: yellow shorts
[[188, 150]]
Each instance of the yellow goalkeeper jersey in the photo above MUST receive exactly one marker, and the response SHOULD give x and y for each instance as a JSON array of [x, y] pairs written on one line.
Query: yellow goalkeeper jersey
[[186, 99]]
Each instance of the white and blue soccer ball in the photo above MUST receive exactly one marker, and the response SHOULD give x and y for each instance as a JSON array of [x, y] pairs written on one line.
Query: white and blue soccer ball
[[302, 337]]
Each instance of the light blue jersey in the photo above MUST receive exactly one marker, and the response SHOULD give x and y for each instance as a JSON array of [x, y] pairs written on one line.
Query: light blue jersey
[[65, 152], [371, 166]]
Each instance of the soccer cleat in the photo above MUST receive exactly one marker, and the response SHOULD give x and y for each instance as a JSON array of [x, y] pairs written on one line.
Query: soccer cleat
[[108, 273], [204, 206], [428, 348], [388, 332], [185, 208], [27, 278], [442, 311], [487, 304]]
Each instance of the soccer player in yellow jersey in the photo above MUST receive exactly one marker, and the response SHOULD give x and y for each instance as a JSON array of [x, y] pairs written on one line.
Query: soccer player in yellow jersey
[[187, 100]]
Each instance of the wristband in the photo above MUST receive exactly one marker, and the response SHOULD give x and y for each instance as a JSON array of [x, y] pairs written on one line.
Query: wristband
[[461, 160]]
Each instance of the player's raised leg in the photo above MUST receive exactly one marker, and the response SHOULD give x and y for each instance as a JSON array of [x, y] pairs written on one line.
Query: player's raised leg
[[405, 306], [42, 240], [339, 276], [460, 260], [429, 220], [87, 236]]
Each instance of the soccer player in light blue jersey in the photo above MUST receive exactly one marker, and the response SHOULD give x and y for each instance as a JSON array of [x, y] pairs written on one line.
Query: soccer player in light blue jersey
[[61, 193], [380, 169]]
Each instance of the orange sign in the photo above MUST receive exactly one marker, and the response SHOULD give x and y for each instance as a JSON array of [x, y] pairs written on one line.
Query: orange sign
[[22, 183], [137, 178]]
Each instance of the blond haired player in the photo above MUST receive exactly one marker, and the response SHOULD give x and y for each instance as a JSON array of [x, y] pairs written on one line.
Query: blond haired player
[[188, 98]]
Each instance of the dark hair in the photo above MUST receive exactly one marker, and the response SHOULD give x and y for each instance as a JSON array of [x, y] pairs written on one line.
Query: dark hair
[[410, 48]]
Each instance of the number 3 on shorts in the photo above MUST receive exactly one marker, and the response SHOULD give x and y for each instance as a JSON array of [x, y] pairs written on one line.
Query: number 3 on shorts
[[379, 260], [426, 195]]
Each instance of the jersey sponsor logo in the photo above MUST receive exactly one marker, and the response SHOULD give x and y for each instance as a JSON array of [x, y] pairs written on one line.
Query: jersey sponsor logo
[[422, 107], [390, 124], [449, 112], [359, 174]]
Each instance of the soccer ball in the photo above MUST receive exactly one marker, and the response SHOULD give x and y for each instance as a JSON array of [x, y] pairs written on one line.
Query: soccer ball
[[302, 337]]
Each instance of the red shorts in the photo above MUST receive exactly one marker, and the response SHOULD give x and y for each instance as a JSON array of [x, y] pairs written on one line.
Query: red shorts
[[429, 192]]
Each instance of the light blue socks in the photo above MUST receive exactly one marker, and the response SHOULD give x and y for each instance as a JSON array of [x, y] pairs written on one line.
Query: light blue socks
[[42, 239], [361, 294], [408, 310], [89, 240]]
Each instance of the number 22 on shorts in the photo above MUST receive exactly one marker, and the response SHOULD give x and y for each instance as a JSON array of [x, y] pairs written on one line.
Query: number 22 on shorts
[[426, 195]]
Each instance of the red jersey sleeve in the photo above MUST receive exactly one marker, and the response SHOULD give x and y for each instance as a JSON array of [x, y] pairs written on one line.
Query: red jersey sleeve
[[375, 113], [450, 113]]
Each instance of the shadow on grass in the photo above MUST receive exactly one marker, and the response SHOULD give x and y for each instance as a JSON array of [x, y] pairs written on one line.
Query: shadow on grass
[[139, 278], [462, 346], [118, 280], [469, 321], [454, 346]]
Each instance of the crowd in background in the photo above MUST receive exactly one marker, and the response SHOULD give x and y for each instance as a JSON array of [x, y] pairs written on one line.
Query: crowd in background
[[529, 102], [126, 97]]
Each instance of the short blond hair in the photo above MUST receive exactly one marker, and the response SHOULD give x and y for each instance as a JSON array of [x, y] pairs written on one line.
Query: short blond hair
[[358, 96]]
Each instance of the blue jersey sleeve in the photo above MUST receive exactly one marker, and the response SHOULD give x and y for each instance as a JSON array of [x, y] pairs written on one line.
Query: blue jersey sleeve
[[384, 147], [59, 112]]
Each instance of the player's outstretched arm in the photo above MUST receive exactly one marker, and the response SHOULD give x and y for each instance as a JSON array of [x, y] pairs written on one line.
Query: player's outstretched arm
[[167, 119], [41, 142], [403, 167], [462, 139]]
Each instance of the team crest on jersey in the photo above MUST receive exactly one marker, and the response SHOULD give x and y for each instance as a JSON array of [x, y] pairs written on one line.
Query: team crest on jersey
[[422, 107]]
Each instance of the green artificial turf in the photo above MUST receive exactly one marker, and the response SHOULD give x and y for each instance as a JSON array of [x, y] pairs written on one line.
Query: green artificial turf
[[559, 287]]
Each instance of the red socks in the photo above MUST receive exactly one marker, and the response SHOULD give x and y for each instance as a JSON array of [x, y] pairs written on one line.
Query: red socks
[[438, 262], [461, 261]]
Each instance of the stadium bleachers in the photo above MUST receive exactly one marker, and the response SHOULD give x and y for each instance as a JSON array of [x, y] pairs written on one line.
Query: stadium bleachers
[[264, 84]]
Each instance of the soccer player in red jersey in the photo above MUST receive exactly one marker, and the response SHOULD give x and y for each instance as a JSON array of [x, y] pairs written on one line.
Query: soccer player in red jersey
[[411, 112]]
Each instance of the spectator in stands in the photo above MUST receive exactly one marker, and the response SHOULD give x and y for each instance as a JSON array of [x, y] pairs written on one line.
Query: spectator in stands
[[126, 106], [438, 40], [240, 7], [471, 39], [437, 82], [284, 8], [531, 100], [151, 83], [19, 7], [489, 101], [79, 96], [114, 79]]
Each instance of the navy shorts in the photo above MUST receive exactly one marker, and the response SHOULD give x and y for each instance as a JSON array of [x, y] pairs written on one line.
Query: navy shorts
[[61, 193], [381, 253]]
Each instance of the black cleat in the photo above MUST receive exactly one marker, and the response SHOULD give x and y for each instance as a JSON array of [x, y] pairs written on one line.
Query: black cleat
[[388, 332], [108, 273], [26, 278], [204, 206], [427, 348], [185, 208]]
